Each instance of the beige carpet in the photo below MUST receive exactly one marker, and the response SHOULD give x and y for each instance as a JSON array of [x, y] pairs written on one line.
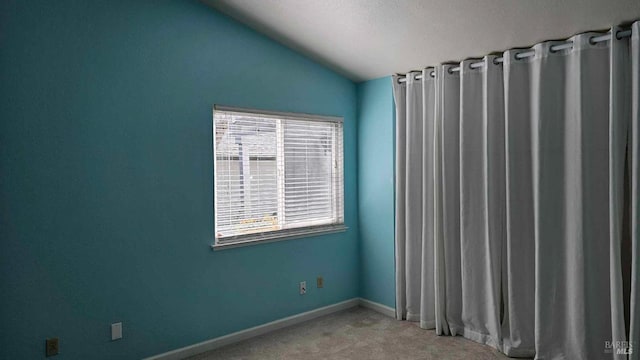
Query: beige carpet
[[357, 333]]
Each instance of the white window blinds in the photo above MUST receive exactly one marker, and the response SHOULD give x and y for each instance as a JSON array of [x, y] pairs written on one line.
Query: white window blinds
[[276, 175]]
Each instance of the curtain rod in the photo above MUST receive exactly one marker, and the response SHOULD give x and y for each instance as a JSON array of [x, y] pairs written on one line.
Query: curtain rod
[[530, 53]]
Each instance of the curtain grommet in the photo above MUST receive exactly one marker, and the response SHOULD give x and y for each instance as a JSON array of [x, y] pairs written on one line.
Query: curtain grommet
[[553, 51]]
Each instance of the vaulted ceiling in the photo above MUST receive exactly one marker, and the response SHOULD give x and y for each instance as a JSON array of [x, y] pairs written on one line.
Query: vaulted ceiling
[[367, 39]]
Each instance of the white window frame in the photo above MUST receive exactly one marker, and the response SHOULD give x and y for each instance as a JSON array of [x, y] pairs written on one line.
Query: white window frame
[[285, 234]]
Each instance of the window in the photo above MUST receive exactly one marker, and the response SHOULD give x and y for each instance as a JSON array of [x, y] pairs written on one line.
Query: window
[[277, 175]]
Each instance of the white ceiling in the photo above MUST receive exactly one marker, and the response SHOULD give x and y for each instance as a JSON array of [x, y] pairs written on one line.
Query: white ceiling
[[367, 39]]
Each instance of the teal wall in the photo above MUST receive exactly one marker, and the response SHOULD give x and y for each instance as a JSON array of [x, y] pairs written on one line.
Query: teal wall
[[106, 179], [376, 129]]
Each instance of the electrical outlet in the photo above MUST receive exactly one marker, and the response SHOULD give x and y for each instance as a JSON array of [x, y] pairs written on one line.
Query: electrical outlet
[[303, 287], [116, 331], [320, 282], [52, 347]]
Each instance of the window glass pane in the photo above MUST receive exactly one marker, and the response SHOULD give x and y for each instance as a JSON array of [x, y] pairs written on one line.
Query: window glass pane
[[246, 175], [308, 171]]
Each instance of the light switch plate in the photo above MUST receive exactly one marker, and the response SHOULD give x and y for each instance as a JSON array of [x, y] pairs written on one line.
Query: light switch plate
[[116, 331]]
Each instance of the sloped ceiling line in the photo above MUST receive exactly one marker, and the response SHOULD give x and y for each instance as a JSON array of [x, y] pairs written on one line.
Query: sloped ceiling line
[[368, 39]]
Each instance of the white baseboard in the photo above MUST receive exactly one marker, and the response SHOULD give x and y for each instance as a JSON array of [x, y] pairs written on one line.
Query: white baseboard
[[215, 343], [382, 309], [235, 337]]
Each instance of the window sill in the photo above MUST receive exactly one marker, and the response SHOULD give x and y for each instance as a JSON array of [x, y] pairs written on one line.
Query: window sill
[[280, 236]]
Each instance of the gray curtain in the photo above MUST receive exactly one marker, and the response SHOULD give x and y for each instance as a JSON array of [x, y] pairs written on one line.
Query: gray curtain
[[517, 199]]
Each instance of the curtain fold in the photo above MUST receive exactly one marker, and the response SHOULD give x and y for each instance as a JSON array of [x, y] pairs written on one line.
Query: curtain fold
[[634, 161], [619, 122], [426, 144], [418, 272], [518, 263], [517, 199], [400, 98], [481, 207], [447, 189]]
